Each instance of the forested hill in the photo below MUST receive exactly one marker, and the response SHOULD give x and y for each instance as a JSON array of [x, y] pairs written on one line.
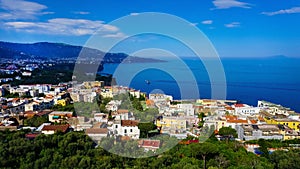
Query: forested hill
[[46, 50]]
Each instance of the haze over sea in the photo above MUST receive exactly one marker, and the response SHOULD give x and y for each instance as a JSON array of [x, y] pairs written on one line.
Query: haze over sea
[[274, 79]]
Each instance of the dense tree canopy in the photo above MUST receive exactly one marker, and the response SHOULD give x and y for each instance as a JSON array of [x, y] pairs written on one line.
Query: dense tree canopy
[[76, 150], [228, 131]]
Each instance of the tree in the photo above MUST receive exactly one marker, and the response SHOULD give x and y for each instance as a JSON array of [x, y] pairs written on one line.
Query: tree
[[228, 132], [145, 128], [263, 148], [222, 161], [205, 149], [201, 116], [35, 121]]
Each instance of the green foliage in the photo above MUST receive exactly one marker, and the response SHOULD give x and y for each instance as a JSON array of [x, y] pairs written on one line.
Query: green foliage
[[286, 159], [102, 102], [11, 95], [136, 104], [147, 115], [274, 143], [69, 107], [145, 128], [228, 131], [142, 98], [85, 108], [35, 121], [76, 150], [201, 116]]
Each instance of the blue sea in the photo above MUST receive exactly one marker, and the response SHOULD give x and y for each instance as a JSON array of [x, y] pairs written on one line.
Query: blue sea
[[274, 79]]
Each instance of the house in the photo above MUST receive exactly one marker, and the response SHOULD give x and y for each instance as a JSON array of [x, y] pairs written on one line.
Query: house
[[43, 113], [51, 129], [97, 134], [274, 109], [176, 123], [82, 122], [136, 93], [106, 92], [152, 145], [174, 126], [101, 117], [160, 97], [83, 95], [123, 114], [230, 121], [33, 106], [150, 103], [126, 128], [113, 105], [292, 123], [91, 84], [30, 114], [247, 111], [188, 109], [58, 116], [262, 131]]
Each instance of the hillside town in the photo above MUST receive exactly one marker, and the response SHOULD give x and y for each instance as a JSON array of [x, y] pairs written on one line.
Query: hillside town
[[43, 109]]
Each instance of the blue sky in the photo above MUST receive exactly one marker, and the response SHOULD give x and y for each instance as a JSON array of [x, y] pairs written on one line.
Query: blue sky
[[237, 28]]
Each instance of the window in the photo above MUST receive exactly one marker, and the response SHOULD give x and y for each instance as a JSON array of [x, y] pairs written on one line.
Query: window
[[125, 130], [116, 126], [130, 130]]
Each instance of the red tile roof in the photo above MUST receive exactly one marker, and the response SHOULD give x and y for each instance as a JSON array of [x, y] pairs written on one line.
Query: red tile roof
[[229, 117], [122, 111], [45, 112], [149, 143], [31, 135], [125, 138], [229, 108], [129, 122], [149, 102], [239, 105], [62, 128], [237, 121], [261, 118]]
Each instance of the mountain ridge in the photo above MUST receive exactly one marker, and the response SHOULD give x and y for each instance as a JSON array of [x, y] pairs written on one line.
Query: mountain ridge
[[50, 50]]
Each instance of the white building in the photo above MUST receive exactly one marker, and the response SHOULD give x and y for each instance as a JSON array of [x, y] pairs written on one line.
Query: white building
[[160, 97], [126, 128], [97, 134], [188, 109], [101, 117], [113, 105], [247, 111], [123, 114]]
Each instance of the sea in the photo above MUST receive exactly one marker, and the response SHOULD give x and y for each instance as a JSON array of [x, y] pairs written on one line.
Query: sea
[[274, 79]]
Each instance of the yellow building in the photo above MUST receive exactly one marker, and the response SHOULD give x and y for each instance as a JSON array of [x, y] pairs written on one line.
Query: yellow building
[[91, 84], [290, 136], [293, 124], [106, 92], [62, 102], [176, 123], [206, 102]]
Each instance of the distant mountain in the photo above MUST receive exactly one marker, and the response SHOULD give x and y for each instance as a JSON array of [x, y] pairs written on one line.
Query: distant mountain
[[46, 50]]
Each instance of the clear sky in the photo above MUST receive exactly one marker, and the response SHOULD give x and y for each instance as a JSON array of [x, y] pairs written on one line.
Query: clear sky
[[237, 28]]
